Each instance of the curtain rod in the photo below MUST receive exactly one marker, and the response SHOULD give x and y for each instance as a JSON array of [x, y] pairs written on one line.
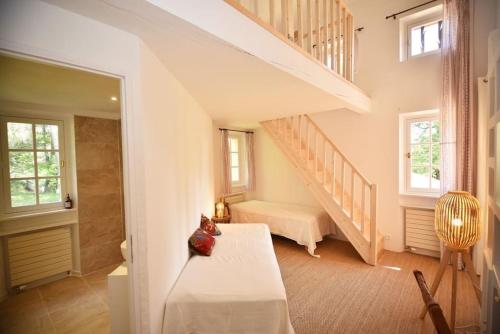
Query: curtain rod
[[407, 10], [222, 129]]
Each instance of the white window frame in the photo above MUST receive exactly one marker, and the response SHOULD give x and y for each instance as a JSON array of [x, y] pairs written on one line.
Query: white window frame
[[407, 23], [408, 37], [405, 147], [242, 161], [5, 195]]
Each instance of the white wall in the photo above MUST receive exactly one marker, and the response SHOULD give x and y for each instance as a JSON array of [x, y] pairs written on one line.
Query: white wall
[[178, 181], [277, 180], [167, 139]]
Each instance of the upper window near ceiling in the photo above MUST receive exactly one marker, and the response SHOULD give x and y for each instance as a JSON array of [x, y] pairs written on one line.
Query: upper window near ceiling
[[32, 164], [421, 135], [425, 38], [421, 33]]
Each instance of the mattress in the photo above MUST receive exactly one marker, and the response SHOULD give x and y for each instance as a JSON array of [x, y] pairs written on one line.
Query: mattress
[[305, 225], [238, 289]]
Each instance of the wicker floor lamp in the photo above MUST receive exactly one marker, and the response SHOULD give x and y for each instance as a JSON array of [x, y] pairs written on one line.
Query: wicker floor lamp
[[457, 225]]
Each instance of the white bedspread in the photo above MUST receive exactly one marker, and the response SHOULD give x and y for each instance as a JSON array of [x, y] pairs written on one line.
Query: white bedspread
[[303, 224], [238, 289]]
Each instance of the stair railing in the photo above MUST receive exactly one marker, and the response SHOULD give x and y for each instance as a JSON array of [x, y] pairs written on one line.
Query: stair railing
[[321, 29], [346, 185]]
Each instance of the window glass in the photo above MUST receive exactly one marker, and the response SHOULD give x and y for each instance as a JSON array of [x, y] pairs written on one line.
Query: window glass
[[235, 174], [20, 135], [416, 42], [425, 38], [22, 192], [21, 164], [424, 154], [234, 159], [47, 137], [49, 190], [420, 177], [48, 163], [431, 37], [34, 163]]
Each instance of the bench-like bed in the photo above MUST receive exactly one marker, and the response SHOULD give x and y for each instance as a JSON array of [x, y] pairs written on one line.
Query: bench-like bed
[[238, 289], [305, 225]]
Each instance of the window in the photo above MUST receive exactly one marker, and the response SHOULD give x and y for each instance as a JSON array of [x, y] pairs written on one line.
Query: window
[[33, 164], [421, 33], [422, 153], [237, 159], [425, 38]]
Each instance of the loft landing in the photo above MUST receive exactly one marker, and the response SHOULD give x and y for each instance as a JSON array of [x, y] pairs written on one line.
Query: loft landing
[[239, 67]]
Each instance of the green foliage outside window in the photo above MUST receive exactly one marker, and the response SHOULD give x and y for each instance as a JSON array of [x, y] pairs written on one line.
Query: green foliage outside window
[[425, 154], [26, 183]]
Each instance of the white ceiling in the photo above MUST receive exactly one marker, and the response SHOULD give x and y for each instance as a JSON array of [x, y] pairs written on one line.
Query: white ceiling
[[234, 86], [37, 83]]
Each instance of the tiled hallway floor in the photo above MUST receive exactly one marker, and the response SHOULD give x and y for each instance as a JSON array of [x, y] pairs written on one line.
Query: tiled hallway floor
[[71, 305]]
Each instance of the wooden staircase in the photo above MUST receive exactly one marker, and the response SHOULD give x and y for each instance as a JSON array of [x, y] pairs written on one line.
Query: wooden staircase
[[348, 197]]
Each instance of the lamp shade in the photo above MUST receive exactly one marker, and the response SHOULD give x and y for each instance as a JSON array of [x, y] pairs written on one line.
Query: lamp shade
[[457, 219]]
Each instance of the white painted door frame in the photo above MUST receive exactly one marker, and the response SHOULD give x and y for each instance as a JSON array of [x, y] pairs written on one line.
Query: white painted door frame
[[134, 210]]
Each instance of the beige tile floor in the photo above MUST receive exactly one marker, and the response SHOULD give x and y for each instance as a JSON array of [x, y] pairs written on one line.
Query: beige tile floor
[[70, 305]]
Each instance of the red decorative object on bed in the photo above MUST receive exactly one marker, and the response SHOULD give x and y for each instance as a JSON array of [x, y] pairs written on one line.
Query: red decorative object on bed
[[201, 242], [209, 226]]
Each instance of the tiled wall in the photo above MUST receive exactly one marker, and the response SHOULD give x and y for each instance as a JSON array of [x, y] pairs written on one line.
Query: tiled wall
[[100, 196]]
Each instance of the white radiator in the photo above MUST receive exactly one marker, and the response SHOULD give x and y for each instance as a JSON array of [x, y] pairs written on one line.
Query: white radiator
[[420, 232], [38, 255]]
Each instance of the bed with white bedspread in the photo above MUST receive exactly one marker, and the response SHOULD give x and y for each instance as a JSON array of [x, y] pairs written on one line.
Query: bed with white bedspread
[[238, 289], [305, 225]]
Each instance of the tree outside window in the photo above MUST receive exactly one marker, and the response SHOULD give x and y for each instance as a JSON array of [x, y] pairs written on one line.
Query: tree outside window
[[424, 154], [34, 163]]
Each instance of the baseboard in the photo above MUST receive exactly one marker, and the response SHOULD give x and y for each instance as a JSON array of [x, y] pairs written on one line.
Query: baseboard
[[421, 251], [75, 273]]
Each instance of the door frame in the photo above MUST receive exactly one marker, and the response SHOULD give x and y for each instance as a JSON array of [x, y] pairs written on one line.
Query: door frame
[[129, 108]]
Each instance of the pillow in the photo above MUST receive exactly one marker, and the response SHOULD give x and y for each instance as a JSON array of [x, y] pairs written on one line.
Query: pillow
[[201, 242], [209, 226]]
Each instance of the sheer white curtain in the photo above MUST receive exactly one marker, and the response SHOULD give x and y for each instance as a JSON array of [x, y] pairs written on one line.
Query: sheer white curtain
[[226, 164], [250, 161], [458, 115]]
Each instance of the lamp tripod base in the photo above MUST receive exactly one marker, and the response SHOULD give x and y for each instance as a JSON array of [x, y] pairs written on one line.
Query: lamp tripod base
[[445, 260]]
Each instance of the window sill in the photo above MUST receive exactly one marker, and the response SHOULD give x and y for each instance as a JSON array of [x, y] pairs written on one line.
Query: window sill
[[32, 214], [238, 188], [10, 225], [421, 201]]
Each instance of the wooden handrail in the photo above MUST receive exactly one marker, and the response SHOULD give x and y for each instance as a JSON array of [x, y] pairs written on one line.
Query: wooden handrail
[[332, 35]]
